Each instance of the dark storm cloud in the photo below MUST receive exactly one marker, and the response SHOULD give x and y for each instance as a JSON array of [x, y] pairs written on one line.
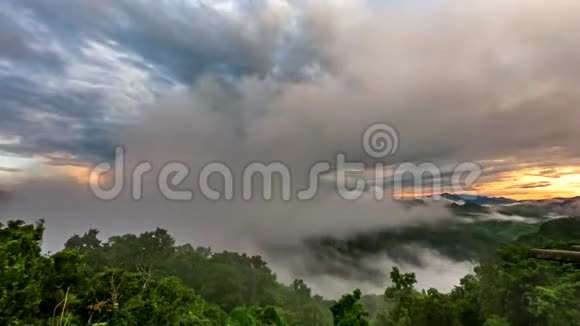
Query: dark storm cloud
[[173, 42], [187, 38], [505, 92], [23, 44], [43, 119]]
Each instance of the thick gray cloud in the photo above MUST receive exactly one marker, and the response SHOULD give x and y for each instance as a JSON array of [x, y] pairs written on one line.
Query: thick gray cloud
[[486, 72], [89, 67], [465, 84]]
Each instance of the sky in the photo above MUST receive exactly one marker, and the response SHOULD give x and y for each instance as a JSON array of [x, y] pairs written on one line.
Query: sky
[[493, 83]]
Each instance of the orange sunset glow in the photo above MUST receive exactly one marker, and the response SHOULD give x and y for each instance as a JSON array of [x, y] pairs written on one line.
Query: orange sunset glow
[[523, 184], [532, 184]]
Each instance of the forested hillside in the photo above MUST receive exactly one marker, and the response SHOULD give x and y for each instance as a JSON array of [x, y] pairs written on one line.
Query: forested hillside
[[147, 279]]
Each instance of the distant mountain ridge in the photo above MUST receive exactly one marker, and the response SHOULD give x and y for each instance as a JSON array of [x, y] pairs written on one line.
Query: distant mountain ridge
[[486, 200], [478, 200]]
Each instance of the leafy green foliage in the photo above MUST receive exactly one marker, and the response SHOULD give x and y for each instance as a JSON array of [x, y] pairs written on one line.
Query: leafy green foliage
[[508, 288], [142, 280], [147, 280], [348, 311], [21, 272]]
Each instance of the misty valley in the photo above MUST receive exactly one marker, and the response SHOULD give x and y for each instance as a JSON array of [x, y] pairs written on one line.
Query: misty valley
[[149, 279]]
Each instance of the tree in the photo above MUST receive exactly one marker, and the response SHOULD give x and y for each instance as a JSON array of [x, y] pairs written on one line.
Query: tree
[[466, 300], [403, 296], [147, 280], [22, 272], [348, 311], [305, 309]]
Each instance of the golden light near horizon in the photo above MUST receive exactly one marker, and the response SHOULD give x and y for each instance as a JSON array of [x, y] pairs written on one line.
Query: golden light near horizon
[[526, 183], [17, 170], [79, 173], [535, 183]]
